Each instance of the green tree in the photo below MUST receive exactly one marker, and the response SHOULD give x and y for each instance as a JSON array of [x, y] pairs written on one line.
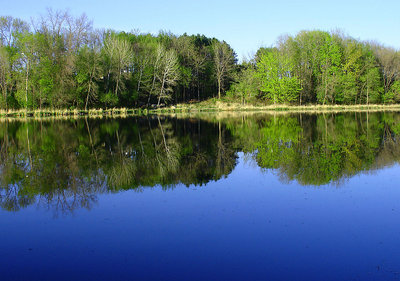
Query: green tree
[[247, 85], [4, 76], [371, 81], [330, 59], [88, 72], [277, 81]]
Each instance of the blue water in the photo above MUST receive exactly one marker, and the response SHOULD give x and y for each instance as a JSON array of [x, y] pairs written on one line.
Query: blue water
[[250, 225]]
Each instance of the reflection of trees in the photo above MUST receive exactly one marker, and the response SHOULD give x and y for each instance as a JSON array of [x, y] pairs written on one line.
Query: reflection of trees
[[319, 149], [40, 165], [63, 165], [168, 150], [225, 159]]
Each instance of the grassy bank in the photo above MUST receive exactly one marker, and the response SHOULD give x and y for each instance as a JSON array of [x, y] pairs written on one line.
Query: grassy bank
[[72, 112], [214, 105], [211, 105]]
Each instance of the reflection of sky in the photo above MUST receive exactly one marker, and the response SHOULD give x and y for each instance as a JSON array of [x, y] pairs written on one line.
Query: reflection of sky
[[248, 226]]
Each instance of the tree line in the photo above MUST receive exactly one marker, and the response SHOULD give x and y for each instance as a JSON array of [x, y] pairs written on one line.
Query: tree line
[[61, 61], [321, 67]]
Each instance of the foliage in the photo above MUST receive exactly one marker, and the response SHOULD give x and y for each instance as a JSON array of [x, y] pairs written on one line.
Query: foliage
[[247, 84], [65, 63], [275, 72], [326, 68]]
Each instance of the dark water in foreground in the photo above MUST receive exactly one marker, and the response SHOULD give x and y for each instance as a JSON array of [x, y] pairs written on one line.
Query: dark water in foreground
[[285, 197]]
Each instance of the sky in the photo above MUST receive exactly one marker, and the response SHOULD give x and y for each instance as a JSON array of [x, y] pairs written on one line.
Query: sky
[[246, 25]]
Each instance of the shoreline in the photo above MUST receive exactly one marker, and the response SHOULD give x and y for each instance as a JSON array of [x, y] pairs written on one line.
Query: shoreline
[[198, 108], [219, 106]]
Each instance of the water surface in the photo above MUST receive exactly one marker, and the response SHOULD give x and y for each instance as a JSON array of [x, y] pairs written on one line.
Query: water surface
[[248, 197]]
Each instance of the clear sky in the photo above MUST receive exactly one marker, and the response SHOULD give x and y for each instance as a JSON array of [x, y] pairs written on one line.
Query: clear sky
[[245, 25]]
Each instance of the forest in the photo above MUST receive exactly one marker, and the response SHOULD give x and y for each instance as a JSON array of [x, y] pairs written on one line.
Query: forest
[[60, 61]]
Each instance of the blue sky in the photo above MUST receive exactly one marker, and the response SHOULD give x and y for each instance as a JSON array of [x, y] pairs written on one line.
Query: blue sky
[[245, 25]]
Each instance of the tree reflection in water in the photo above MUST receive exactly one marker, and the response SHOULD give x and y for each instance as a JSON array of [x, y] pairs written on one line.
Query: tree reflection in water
[[65, 165]]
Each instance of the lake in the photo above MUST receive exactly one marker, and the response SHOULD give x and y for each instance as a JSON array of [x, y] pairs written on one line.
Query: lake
[[207, 197]]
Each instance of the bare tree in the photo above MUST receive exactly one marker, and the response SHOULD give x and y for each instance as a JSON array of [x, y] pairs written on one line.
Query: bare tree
[[389, 60], [88, 66], [224, 61], [10, 28], [168, 72], [120, 54], [78, 31], [199, 61]]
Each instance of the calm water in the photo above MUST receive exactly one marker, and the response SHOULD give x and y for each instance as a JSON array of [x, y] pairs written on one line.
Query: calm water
[[261, 197]]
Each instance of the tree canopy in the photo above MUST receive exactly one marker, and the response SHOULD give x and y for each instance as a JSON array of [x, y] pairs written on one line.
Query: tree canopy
[[324, 68], [61, 61]]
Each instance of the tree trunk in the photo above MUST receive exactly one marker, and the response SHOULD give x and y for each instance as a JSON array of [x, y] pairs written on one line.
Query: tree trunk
[[326, 89], [300, 96], [116, 86], [367, 92], [219, 88], [26, 83], [140, 79], [159, 99], [152, 87], [108, 81], [88, 93], [198, 84], [162, 88]]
